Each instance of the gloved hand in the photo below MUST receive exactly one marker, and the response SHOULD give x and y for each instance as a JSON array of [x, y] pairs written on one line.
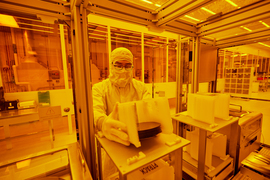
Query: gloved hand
[[115, 130]]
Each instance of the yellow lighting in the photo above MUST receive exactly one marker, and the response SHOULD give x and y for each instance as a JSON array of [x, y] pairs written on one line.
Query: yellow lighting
[[192, 18], [149, 2], [246, 28], [203, 8], [6, 20], [232, 3], [23, 164], [264, 24], [243, 54], [157, 5], [263, 44]]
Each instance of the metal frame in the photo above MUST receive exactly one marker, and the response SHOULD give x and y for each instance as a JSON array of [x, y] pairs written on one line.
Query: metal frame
[[166, 17]]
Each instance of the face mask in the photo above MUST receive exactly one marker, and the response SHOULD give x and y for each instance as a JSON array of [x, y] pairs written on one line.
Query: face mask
[[120, 78]]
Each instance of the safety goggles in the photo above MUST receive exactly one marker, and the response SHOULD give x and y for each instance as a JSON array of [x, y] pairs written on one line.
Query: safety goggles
[[128, 67]]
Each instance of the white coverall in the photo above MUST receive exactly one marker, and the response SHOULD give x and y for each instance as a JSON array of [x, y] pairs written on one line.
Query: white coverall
[[119, 87]]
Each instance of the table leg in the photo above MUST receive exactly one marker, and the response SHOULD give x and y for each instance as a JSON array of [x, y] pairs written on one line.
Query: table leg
[[233, 144], [178, 164], [122, 177], [201, 157], [99, 160]]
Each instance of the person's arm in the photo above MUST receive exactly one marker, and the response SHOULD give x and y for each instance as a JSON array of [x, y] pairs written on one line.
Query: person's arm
[[111, 128], [99, 106], [145, 92]]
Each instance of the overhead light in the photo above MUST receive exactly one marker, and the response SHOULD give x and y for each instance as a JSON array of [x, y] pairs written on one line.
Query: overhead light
[[192, 18], [264, 23], [243, 54], [263, 44], [6, 20], [149, 2], [246, 28], [203, 8], [232, 3], [234, 55], [157, 5]]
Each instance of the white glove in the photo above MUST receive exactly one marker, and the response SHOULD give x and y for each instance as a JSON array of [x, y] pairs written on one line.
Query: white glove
[[115, 130]]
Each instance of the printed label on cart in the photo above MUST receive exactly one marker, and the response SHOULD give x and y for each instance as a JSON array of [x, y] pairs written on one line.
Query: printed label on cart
[[147, 170], [49, 113]]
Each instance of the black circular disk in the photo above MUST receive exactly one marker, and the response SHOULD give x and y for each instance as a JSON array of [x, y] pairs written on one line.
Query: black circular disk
[[148, 129]]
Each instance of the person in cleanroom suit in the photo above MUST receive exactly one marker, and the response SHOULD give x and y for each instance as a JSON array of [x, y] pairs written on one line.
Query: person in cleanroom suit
[[118, 88]]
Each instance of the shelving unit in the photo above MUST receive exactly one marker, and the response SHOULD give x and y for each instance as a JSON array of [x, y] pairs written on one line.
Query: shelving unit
[[238, 81]]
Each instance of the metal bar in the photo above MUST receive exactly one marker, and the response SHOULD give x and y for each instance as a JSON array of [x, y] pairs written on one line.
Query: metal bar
[[179, 9], [184, 25], [167, 60], [142, 55], [119, 15], [197, 63], [202, 151], [244, 42], [99, 160], [109, 46], [261, 33], [237, 20], [89, 122], [123, 9], [174, 7], [175, 29], [64, 57], [25, 10], [41, 5], [233, 144], [179, 76], [193, 66], [178, 164], [235, 12]]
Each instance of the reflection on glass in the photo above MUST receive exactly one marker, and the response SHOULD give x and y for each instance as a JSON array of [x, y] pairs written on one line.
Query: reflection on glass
[[243, 64], [154, 59], [172, 60], [31, 56], [98, 52]]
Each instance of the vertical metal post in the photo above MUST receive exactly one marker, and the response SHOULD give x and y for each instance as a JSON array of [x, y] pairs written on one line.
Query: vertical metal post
[[83, 89], [179, 77], [167, 59], [153, 73], [197, 64], [142, 54], [64, 57], [179, 85], [109, 45], [202, 151], [193, 65]]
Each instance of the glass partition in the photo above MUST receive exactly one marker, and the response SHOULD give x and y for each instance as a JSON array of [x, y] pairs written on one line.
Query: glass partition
[[98, 44], [172, 58], [155, 48], [32, 57]]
